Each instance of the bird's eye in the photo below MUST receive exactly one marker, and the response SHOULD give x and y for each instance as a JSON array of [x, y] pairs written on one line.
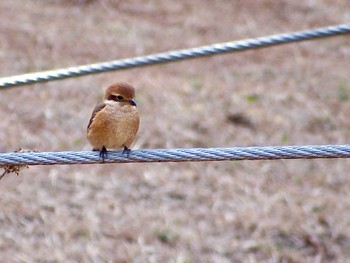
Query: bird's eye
[[116, 98]]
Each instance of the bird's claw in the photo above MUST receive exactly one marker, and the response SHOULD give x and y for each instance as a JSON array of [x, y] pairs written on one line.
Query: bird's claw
[[103, 154], [127, 151]]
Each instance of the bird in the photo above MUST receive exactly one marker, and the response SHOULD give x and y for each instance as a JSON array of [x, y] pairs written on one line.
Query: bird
[[114, 123]]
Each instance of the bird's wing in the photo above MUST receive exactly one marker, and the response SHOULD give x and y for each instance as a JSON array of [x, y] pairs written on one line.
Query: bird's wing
[[98, 108]]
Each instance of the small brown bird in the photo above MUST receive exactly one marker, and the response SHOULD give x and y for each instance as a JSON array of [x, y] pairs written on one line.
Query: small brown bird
[[114, 122]]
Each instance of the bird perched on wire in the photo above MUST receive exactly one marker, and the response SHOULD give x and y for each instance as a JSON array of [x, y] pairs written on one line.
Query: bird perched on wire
[[114, 122]]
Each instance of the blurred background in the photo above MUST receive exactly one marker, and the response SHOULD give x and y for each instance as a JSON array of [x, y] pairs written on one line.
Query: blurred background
[[246, 211]]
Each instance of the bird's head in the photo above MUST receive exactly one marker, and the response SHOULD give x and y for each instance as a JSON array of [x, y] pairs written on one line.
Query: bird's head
[[122, 93]]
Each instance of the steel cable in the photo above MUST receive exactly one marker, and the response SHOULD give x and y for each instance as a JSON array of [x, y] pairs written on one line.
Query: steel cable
[[178, 155], [234, 46]]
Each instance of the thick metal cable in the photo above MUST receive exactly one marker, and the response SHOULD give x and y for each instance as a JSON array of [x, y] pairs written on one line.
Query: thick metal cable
[[173, 56], [178, 155]]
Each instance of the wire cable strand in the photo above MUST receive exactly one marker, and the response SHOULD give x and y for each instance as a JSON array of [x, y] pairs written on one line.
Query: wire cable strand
[[178, 155], [177, 55]]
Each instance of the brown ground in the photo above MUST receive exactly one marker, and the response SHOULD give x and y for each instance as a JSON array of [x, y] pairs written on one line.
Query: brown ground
[[247, 211]]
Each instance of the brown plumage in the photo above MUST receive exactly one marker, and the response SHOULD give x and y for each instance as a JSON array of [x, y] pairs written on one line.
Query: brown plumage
[[120, 88], [115, 122]]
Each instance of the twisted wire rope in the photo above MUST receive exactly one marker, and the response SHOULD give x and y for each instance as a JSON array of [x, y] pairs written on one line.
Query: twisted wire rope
[[233, 46], [178, 155]]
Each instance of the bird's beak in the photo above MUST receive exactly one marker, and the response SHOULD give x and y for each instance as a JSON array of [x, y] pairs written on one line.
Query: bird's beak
[[132, 102]]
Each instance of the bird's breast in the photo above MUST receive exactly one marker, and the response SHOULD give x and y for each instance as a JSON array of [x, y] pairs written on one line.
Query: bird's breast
[[114, 126]]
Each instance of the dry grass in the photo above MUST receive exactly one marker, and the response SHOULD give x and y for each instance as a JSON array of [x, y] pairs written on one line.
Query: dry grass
[[249, 211]]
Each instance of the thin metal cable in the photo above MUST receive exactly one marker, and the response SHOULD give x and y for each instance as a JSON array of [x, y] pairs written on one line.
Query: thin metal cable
[[179, 155], [173, 56]]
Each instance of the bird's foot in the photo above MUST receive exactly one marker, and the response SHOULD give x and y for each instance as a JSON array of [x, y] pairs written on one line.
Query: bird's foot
[[103, 153], [127, 151]]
